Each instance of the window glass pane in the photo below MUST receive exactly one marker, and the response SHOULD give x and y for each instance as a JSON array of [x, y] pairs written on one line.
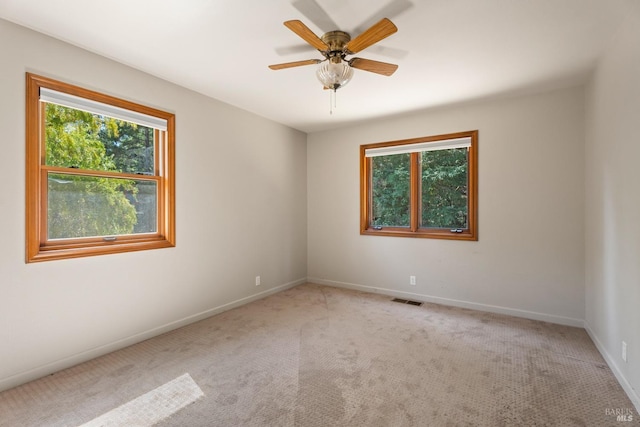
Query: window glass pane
[[85, 206], [77, 139], [444, 188], [391, 190]]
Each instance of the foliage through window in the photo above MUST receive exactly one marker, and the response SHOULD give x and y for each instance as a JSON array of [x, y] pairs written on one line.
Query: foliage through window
[[423, 187], [100, 173]]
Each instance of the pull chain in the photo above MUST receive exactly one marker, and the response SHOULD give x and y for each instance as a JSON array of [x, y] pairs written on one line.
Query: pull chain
[[332, 101]]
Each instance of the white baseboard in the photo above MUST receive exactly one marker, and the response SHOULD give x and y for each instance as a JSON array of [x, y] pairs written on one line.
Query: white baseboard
[[633, 395], [67, 362], [561, 320]]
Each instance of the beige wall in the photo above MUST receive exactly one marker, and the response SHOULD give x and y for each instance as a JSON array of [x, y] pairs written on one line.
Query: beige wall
[[613, 204], [529, 258], [241, 212]]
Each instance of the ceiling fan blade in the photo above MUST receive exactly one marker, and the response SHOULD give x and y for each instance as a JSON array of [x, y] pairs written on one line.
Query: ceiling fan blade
[[306, 34], [316, 14], [391, 10], [384, 28], [377, 67], [294, 64]]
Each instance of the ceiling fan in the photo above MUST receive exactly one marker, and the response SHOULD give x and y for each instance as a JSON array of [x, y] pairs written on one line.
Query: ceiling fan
[[336, 70]]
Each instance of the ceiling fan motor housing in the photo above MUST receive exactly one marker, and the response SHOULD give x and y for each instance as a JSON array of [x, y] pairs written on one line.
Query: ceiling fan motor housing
[[336, 41]]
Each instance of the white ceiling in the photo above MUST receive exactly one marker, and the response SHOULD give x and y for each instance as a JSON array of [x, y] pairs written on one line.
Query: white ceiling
[[448, 51]]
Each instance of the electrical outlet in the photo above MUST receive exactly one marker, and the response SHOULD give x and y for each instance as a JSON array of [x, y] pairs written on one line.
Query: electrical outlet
[[412, 280], [624, 351], [257, 280]]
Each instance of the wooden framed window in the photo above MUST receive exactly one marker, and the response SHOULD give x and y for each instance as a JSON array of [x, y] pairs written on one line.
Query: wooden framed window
[[99, 173], [422, 187]]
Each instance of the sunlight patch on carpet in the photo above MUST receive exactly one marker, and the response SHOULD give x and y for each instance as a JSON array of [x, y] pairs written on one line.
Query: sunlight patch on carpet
[[152, 407]]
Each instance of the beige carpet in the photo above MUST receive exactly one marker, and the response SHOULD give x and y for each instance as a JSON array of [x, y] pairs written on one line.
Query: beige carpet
[[322, 356]]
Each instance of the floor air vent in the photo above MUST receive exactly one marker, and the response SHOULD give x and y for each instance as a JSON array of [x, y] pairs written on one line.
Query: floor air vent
[[407, 301]]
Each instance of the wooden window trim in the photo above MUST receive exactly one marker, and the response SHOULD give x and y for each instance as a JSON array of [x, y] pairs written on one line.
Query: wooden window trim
[[414, 230], [37, 248]]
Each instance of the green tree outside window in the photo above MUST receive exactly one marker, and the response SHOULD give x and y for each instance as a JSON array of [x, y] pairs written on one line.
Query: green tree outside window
[[87, 206]]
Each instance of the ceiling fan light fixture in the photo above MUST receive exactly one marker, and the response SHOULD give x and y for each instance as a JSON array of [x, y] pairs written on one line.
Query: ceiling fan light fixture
[[334, 75]]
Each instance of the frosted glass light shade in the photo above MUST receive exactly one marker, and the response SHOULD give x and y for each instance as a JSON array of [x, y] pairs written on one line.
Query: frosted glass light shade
[[334, 76]]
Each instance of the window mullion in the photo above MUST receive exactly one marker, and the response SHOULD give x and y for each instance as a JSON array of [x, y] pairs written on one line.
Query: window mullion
[[415, 191]]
